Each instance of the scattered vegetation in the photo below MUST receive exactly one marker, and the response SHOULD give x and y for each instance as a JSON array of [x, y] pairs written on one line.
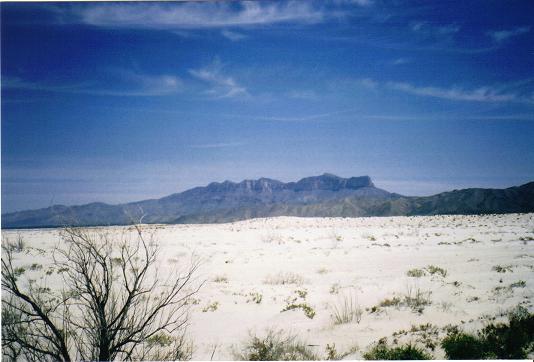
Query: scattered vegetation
[[105, 309], [347, 310], [308, 311], [416, 299], [16, 246], [459, 345], [518, 284], [512, 340], [220, 279], [284, 278], [502, 268], [293, 303], [415, 273], [393, 302], [433, 269], [382, 351], [275, 346], [334, 288], [211, 307], [255, 297]]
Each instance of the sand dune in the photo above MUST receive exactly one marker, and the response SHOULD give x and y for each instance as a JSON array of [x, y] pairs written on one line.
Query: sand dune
[[254, 269]]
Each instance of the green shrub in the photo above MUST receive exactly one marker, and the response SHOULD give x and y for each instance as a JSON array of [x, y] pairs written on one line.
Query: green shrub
[[307, 309], [432, 269], [275, 346], [459, 345], [512, 340], [415, 273], [382, 351]]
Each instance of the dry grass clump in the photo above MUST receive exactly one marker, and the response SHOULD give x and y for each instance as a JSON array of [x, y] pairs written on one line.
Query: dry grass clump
[[347, 310], [284, 278], [433, 269], [415, 273], [274, 346], [220, 279]]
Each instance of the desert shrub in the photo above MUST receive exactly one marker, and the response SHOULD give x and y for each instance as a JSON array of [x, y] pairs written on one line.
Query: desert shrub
[[103, 309], [255, 297], [502, 268], [347, 310], [16, 246], [211, 307], [393, 302], [512, 340], [306, 308], [460, 345], [518, 284], [415, 273], [220, 279], [382, 351], [416, 299], [331, 352], [293, 302], [275, 346], [433, 269]]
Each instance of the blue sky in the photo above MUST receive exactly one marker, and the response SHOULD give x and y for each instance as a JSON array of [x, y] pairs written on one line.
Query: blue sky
[[118, 102]]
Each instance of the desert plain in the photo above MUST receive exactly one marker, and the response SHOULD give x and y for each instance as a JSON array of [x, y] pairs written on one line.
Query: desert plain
[[295, 274]]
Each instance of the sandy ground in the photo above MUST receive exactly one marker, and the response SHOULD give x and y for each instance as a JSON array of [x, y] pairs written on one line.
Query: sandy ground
[[328, 260]]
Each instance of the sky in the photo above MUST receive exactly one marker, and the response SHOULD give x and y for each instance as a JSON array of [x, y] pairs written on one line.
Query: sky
[[118, 102]]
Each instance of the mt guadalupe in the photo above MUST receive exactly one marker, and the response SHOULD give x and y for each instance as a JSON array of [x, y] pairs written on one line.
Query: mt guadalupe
[[318, 196]]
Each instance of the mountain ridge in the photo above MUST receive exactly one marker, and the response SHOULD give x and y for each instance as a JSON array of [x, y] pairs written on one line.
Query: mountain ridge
[[326, 195]]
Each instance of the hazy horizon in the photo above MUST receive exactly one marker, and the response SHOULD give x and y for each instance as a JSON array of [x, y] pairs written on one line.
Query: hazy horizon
[[119, 102]]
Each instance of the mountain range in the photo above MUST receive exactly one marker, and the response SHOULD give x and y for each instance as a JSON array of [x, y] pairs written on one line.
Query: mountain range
[[326, 195]]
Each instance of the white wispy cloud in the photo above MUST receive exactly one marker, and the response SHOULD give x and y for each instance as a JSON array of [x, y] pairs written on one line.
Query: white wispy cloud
[[480, 94], [221, 85], [429, 29], [120, 83], [400, 61], [194, 14], [233, 35], [502, 35], [367, 83]]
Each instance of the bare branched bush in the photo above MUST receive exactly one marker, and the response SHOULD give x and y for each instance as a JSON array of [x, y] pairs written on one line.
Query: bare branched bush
[[110, 304]]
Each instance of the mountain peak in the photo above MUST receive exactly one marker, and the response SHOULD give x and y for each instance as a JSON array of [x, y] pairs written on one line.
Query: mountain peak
[[331, 182]]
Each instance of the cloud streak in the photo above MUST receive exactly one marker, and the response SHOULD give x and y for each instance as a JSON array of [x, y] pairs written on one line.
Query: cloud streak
[[220, 85], [123, 83], [192, 15], [233, 35], [503, 35], [480, 94]]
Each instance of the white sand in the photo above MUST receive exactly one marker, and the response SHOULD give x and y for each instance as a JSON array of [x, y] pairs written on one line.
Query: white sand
[[349, 253]]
